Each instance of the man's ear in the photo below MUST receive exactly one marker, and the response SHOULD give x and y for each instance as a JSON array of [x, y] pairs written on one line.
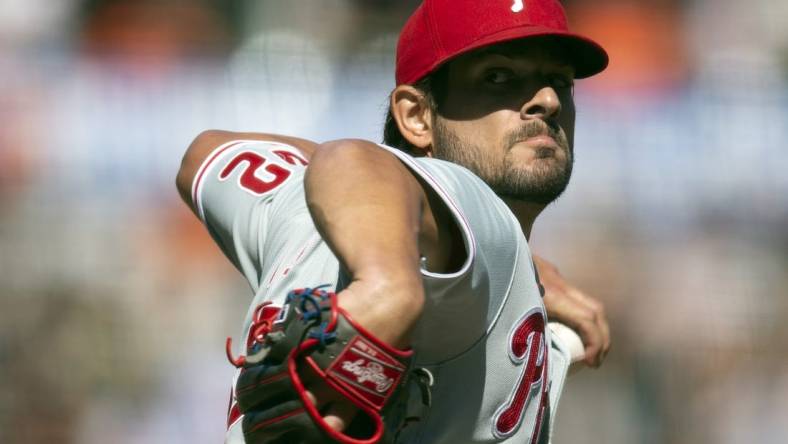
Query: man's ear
[[413, 115]]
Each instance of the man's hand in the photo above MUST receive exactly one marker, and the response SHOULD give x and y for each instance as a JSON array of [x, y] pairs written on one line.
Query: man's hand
[[311, 368], [378, 304], [569, 305]]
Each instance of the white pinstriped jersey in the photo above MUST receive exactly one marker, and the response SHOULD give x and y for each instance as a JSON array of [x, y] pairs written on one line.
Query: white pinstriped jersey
[[482, 335]]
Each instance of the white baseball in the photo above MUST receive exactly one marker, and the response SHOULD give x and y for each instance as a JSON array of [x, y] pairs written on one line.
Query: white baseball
[[571, 339]]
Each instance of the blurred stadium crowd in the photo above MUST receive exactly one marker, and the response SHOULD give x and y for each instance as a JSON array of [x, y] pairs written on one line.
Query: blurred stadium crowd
[[114, 303]]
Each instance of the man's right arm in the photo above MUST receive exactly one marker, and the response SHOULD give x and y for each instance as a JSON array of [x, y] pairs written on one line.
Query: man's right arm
[[377, 219]]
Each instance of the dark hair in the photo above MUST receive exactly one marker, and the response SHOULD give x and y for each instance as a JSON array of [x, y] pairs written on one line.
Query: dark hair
[[434, 87]]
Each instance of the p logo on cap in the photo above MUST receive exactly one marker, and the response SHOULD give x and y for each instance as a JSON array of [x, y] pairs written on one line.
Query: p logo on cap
[[517, 6]]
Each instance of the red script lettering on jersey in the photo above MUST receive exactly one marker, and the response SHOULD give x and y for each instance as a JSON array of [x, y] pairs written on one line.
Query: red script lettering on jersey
[[527, 348], [249, 179]]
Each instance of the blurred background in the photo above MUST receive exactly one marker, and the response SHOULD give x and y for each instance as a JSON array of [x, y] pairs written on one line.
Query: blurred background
[[115, 304]]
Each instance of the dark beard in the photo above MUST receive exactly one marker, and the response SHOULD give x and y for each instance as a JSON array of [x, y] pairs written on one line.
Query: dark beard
[[542, 186]]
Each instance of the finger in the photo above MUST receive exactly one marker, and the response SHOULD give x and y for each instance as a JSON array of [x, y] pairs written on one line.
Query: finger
[[336, 410], [562, 308], [582, 298], [582, 319], [598, 316], [592, 339], [317, 391], [604, 328], [340, 414], [311, 397]]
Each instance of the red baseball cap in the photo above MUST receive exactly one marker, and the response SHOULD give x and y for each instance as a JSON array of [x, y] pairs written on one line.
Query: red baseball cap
[[440, 30]]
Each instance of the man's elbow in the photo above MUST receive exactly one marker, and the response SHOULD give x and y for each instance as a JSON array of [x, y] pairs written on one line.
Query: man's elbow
[[359, 164], [192, 159]]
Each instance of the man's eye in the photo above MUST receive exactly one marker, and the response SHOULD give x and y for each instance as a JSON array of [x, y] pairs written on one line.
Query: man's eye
[[498, 76]]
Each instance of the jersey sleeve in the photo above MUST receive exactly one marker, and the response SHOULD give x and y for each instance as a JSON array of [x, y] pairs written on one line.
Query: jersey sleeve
[[231, 190]]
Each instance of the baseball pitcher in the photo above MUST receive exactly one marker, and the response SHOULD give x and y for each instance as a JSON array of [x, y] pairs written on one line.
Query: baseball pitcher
[[395, 295]]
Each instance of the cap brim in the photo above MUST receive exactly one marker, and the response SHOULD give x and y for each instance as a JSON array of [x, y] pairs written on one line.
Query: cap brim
[[587, 56]]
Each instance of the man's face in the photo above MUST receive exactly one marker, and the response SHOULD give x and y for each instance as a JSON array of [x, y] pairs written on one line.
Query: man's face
[[508, 116]]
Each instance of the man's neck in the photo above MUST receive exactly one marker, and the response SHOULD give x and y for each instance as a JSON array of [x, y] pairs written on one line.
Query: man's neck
[[525, 212]]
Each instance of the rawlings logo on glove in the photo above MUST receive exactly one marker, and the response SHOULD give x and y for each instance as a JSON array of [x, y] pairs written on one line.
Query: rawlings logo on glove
[[312, 333], [367, 369], [372, 371]]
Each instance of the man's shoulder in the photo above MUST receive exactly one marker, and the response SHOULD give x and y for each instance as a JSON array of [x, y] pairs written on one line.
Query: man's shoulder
[[438, 169]]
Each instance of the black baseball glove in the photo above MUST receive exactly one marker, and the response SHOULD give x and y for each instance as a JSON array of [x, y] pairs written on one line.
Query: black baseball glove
[[312, 334]]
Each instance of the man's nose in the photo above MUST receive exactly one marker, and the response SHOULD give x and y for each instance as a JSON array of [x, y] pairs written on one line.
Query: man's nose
[[544, 104]]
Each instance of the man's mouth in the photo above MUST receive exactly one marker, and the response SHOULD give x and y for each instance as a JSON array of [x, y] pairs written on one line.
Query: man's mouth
[[542, 140]]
